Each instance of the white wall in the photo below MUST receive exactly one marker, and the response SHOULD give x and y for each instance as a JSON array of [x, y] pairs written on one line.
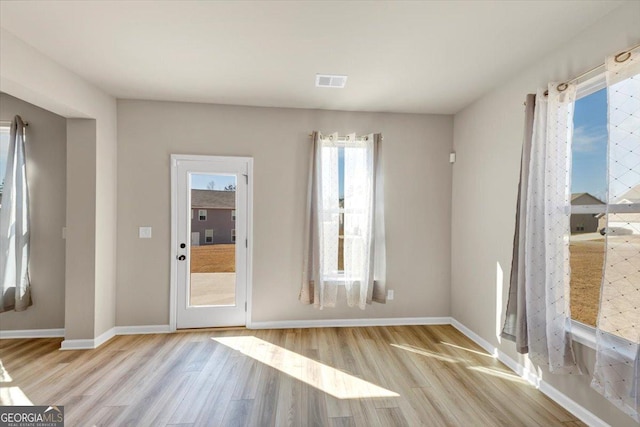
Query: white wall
[[46, 171], [29, 75], [488, 141], [417, 183]]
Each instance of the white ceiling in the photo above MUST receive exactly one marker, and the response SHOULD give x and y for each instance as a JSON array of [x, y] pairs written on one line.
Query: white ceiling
[[420, 57]]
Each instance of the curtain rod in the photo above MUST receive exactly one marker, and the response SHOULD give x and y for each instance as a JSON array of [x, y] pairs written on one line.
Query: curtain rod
[[620, 57], [345, 138]]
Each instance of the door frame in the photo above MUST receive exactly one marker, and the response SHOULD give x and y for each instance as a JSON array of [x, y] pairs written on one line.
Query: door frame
[[173, 253]]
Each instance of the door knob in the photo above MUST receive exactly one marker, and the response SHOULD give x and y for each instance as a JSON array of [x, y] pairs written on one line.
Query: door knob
[[182, 245], [182, 258]]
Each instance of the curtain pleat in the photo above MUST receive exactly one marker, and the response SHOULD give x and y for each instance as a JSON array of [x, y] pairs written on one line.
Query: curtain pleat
[[14, 226]]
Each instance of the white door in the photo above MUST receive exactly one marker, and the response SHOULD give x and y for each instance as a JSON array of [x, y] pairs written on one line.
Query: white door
[[210, 198]]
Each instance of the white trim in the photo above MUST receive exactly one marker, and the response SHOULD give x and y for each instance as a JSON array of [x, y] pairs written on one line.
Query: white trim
[[554, 394], [173, 282], [32, 333], [583, 334], [88, 344], [249, 294], [143, 329], [345, 323]]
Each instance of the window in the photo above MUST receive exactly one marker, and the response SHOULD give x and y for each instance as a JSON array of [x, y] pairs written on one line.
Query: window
[[208, 235], [202, 214], [192, 213], [594, 194], [233, 235], [233, 215]]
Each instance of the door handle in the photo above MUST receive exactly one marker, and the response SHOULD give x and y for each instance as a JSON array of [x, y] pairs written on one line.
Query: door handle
[[182, 258]]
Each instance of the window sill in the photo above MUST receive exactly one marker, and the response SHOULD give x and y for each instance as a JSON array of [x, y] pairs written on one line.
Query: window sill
[[586, 335], [583, 334]]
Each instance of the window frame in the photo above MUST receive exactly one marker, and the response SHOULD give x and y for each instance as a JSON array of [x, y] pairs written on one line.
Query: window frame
[[581, 332], [200, 214], [233, 235], [206, 231], [233, 215]]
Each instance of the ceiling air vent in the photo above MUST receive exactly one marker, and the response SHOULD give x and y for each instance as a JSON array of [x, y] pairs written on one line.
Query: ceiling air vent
[[331, 80]]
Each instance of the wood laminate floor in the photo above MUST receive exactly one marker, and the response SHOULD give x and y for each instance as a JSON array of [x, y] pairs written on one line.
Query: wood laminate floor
[[370, 376]]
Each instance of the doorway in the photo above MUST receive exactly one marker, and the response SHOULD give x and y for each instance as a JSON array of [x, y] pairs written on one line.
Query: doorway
[[210, 256]]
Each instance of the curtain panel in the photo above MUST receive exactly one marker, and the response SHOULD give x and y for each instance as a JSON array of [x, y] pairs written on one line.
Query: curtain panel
[[515, 323], [362, 213], [617, 375], [14, 226], [538, 315]]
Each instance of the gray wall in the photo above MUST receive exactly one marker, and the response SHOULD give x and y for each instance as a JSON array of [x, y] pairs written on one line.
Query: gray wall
[[418, 200], [488, 142], [46, 140]]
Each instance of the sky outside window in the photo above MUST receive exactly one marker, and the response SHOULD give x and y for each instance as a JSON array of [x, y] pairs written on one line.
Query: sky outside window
[[589, 146]]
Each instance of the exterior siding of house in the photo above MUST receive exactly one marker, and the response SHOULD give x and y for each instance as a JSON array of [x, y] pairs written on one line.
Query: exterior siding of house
[[220, 208], [219, 220]]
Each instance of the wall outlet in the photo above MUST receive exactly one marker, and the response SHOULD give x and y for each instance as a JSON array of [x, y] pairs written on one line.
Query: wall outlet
[[389, 294], [144, 232]]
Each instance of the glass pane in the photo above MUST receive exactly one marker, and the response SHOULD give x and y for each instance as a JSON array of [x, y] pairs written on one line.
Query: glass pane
[[587, 257], [589, 149], [212, 231], [621, 315]]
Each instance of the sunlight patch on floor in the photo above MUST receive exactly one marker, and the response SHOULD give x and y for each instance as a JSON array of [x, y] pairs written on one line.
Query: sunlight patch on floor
[[325, 378], [498, 374], [469, 350], [427, 353], [13, 396]]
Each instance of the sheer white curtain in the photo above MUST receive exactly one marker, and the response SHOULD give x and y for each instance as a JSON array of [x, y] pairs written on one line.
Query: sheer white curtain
[[363, 223], [359, 175], [15, 293], [617, 373], [547, 272]]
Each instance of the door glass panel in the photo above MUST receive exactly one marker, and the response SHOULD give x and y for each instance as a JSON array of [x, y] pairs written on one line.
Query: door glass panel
[[212, 229]]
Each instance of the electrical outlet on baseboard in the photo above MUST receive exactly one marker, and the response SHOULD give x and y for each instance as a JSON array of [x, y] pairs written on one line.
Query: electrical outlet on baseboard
[[389, 294]]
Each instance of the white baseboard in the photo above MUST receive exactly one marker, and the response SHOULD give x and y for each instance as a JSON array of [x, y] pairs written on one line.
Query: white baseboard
[[32, 333], [88, 344], [553, 393], [345, 323], [144, 329]]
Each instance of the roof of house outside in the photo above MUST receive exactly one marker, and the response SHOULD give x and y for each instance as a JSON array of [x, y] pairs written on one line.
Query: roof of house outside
[[213, 199], [587, 199], [631, 196]]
